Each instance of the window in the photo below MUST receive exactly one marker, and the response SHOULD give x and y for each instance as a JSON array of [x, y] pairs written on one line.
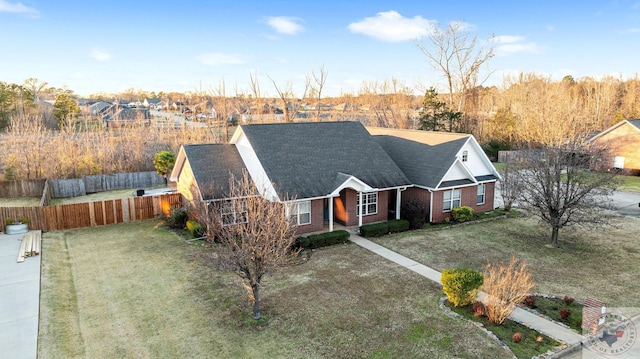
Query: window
[[233, 213], [300, 213], [369, 203], [451, 200], [465, 155], [481, 190]]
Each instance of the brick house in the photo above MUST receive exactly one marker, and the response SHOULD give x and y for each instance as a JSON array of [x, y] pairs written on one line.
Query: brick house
[[342, 172], [622, 147]]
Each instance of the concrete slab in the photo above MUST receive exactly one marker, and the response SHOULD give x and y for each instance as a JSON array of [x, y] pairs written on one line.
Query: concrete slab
[[19, 300]]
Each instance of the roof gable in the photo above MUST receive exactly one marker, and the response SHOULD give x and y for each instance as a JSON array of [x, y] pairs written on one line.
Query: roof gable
[[633, 123], [304, 159], [212, 166], [425, 165]]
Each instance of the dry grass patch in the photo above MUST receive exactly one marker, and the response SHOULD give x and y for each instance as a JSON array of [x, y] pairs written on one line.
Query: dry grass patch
[[599, 263], [20, 202], [133, 290]]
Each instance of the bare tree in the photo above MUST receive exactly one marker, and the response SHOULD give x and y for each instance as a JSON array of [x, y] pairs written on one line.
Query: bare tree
[[287, 98], [557, 187], [255, 235], [319, 80], [459, 57], [509, 186]]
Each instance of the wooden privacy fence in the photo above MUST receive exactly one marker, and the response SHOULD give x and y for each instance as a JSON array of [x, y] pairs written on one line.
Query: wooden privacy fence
[[96, 213], [22, 188], [75, 187]]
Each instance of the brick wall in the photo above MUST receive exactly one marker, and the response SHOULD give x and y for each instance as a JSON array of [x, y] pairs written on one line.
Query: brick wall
[[317, 218], [345, 208]]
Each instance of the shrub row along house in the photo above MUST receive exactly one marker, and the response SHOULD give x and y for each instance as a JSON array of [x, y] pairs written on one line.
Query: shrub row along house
[[342, 172]]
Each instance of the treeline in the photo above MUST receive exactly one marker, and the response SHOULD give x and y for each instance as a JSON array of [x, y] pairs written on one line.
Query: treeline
[[525, 109]]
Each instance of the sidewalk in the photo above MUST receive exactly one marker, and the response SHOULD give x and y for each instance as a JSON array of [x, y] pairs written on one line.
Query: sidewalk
[[529, 319], [19, 300]]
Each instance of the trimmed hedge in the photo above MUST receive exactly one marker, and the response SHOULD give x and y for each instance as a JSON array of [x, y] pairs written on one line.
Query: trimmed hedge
[[461, 285], [462, 214], [380, 229], [322, 240]]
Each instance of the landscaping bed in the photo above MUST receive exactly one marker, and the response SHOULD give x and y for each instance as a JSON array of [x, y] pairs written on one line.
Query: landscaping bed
[[531, 342], [552, 308]]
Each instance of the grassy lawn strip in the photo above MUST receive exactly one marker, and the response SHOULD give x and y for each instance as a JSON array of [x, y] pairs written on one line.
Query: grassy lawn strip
[[20, 202], [133, 290], [630, 183], [527, 348], [601, 263]]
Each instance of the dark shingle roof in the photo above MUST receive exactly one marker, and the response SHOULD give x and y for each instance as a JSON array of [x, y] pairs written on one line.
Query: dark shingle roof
[[212, 165], [635, 123], [306, 160], [424, 165]]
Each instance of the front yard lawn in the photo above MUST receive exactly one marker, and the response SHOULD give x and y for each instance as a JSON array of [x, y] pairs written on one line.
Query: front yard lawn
[[601, 263], [136, 291]]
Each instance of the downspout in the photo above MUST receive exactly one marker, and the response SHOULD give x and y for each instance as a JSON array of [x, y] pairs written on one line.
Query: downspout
[[399, 200], [431, 206]]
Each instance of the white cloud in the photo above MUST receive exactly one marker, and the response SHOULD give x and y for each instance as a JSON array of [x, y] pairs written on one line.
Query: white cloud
[[218, 58], [285, 25], [100, 54], [509, 44], [551, 28], [633, 30], [18, 8], [393, 27]]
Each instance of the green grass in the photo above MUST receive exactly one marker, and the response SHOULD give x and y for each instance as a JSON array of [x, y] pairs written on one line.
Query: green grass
[[528, 347], [601, 263], [629, 183], [136, 291]]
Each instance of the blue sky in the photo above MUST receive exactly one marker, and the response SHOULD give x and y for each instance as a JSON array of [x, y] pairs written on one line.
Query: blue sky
[[94, 46]]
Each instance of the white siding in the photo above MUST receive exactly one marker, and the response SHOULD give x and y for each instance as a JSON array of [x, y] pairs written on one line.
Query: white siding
[[256, 171]]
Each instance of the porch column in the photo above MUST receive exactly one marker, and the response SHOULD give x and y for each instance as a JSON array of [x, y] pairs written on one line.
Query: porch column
[[360, 209], [330, 214]]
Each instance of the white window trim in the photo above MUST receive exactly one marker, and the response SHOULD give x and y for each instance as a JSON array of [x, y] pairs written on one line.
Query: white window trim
[[229, 209], [366, 204], [294, 213], [483, 194], [452, 199]]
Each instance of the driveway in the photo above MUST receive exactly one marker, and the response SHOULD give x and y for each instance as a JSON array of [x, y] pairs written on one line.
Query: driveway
[[19, 300]]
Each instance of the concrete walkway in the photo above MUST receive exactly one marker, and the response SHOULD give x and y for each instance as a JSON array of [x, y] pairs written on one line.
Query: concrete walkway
[[19, 300], [520, 315]]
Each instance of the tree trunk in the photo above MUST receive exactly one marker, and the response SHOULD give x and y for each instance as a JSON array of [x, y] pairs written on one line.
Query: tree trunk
[[554, 236], [256, 303]]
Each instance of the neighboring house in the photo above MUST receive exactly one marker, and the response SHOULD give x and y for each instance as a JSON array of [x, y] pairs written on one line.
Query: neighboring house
[[99, 107], [622, 147], [125, 116], [151, 102], [340, 172]]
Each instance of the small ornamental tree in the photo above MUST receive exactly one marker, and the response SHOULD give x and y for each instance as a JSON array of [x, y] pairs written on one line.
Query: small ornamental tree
[[461, 285], [253, 235], [163, 161]]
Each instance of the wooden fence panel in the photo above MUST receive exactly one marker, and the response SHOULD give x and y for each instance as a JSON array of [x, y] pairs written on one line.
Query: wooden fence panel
[[22, 188], [88, 214], [65, 188], [35, 215], [101, 183]]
